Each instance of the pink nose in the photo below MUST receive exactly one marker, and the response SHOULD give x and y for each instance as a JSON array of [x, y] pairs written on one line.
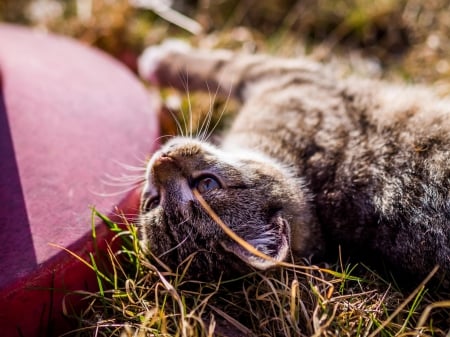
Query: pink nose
[[165, 168], [164, 160]]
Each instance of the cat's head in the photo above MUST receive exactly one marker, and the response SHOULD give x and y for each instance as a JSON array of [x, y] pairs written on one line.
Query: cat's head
[[261, 201]]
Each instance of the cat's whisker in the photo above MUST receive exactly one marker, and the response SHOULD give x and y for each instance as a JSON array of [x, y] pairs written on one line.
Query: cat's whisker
[[114, 194], [207, 122], [182, 130], [177, 123], [165, 136], [123, 183], [123, 179], [200, 130], [173, 114], [130, 167], [200, 124], [134, 169], [126, 177], [190, 112], [225, 105], [170, 106], [204, 131], [189, 127], [222, 112]]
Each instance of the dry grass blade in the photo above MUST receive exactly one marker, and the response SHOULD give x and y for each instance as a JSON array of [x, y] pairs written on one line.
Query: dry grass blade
[[169, 287], [229, 232], [79, 258], [246, 331], [427, 311], [405, 302]]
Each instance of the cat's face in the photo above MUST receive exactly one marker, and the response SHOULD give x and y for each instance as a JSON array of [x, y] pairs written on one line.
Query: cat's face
[[258, 200]]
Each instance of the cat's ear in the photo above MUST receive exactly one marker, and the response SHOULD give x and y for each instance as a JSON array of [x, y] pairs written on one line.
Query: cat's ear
[[273, 242]]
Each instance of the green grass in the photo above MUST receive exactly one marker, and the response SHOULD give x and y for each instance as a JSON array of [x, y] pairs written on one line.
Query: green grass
[[139, 297]]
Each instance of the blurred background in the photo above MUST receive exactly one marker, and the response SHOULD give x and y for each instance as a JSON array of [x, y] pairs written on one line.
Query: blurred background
[[398, 40], [407, 40], [404, 39]]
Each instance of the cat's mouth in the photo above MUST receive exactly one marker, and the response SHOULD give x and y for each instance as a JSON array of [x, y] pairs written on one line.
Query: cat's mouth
[[258, 256], [262, 251]]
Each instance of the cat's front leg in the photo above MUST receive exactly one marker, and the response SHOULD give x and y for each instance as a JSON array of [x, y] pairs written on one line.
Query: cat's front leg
[[174, 63], [240, 75]]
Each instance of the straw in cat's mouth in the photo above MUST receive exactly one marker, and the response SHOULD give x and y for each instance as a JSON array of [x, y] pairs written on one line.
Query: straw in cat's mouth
[[250, 248], [265, 261]]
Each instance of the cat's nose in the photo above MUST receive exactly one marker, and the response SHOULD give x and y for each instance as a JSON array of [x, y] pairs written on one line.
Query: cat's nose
[[164, 159], [164, 167]]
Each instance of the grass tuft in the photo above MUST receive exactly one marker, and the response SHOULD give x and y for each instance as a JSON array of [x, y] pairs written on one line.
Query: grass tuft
[[139, 297]]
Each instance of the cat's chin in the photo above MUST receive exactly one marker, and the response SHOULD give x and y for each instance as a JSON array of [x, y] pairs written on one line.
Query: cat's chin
[[274, 246]]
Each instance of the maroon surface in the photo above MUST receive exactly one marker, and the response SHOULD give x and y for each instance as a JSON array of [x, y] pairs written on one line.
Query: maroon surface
[[68, 116]]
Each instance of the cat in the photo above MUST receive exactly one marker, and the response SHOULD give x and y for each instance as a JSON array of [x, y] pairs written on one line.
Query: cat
[[311, 162]]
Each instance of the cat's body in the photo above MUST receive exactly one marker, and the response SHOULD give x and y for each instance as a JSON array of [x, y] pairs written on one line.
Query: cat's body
[[310, 163]]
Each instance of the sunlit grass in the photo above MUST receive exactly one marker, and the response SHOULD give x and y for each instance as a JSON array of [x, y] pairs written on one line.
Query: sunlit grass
[[139, 297]]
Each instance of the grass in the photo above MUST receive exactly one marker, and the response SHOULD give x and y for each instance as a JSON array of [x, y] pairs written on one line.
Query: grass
[[140, 297], [400, 40]]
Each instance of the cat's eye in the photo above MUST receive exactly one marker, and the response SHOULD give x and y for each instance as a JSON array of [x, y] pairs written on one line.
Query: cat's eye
[[150, 203], [206, 184]]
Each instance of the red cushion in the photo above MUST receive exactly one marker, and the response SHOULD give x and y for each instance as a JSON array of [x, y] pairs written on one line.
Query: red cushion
[[68, 115]]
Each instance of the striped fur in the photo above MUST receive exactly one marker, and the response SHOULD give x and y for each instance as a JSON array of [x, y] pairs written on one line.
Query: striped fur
[[356, 163]]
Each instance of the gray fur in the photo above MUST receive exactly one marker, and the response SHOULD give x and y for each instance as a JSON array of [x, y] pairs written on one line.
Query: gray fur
[[356, 163]]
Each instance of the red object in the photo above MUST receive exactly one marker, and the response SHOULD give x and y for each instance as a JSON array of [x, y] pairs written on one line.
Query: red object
[[68, 115]]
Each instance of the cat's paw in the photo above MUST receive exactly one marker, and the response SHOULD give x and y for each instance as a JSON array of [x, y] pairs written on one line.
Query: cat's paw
[[149, 61]]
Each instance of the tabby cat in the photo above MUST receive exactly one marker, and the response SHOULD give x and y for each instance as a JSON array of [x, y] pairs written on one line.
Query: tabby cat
[[310, 163]]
